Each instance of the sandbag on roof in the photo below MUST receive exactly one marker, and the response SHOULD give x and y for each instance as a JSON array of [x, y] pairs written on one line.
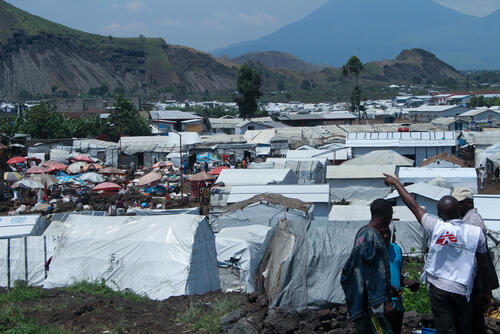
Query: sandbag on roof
[[151, 255], [240, 249]]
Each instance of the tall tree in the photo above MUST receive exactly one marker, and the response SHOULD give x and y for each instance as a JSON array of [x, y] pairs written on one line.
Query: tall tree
[[125, 120], [354, 66], [44, 122], [248, 85]]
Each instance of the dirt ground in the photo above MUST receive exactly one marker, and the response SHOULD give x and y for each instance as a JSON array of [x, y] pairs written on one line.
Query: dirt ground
[[77, 312]]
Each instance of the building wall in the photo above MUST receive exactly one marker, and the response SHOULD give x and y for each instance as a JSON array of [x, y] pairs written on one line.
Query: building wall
[[487, 116], [419, 154], [193, 127]]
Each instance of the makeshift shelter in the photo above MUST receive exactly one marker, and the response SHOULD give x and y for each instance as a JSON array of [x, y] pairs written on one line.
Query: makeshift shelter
[[308, 171], [22, 226], [458, 177], [302, 265], [427, 195], [263, 209], [92, 177], [257, 176], [317, 194], [380, 158], [151, 256], [358, 184], [239, 252], [443, 160]]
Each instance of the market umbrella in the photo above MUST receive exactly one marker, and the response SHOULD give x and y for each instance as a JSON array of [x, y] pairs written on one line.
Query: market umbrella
[[70, 179], [49, 163], [110, 170], [92, 177], [74, 168], [12, 176], [36, 170], [149, 178], [2, 147], [107, 186], [44, 179], [82, 157], [16, 160], [202, 177], [92, 167], [160, 164], [218, 170], [56, 166], [26, 183]]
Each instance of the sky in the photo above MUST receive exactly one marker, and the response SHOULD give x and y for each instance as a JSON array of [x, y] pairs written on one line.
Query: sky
[[202, 24]]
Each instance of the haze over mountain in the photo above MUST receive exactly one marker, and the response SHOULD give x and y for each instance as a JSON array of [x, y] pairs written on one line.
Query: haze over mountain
[[41, 57], [375, 30]]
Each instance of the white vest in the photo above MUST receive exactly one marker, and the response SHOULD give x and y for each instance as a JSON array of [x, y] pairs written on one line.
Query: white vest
[[452, 253]]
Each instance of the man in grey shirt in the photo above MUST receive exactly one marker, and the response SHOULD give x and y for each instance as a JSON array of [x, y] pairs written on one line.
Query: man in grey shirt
[[449, 298], [465, 199]]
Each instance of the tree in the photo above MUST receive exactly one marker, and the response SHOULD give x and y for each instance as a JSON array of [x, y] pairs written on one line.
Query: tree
[[44, 122], [125, 120], [305, 85], [354, 66], [248, 85]]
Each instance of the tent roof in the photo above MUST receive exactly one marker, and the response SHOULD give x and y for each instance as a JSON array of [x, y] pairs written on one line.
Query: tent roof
[[276, 199], [359, 172], [20, 226], [443, 156], [429, 172], [487, 206], [401, 139], [382, 157], [362, 213], [253, 176], [310, 193], [424, 189]]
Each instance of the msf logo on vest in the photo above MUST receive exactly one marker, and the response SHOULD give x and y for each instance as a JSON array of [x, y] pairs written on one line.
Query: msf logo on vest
[[446, 238]]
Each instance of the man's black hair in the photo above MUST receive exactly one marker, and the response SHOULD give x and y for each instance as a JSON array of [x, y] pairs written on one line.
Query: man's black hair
[[380, 208]]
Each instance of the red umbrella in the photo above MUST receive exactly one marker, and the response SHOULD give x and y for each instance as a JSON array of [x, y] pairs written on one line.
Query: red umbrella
[[36, 170], [218, 170], [149, 178], [49, 163], [16, 160], [56, 166], [106, 186], [82, 157]]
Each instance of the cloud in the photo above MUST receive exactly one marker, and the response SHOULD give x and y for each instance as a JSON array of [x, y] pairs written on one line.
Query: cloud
[[135, 6], [129, 29], [170, 22]]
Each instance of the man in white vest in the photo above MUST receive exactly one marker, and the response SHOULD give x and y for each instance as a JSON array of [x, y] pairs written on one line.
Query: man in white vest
[[457, 252]]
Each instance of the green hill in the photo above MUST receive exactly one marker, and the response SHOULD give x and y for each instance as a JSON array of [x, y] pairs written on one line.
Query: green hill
[[40, 57]]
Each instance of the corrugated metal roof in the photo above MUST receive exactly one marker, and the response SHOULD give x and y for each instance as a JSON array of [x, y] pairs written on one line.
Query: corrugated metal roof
[[310, 193], [481, 137], [359, 172], [132, 145], [424, 189], [255, 176], [362, 213], [172, 114], [401, 139], [317, 116], [477, 111], [382, 157]]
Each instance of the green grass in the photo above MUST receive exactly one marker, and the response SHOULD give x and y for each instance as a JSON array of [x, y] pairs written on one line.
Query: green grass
[[99, 288], [416, 301], [12, 321], [207, 318], [20, 294]]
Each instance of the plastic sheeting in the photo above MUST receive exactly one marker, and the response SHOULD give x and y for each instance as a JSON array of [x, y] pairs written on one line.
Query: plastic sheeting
[[21, 226], [303, 263], [241, 249], [151, 256], [357, 191], [458, 177], [23, 259]]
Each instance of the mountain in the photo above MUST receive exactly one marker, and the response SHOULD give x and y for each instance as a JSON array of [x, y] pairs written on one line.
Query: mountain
[[276, 59], [380, 29], [40, 57]]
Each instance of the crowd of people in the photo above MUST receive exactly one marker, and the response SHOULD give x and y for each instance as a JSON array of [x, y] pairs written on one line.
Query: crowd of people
[[458, 268]]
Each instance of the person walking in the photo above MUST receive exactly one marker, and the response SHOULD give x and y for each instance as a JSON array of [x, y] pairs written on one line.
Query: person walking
[[366, 276], [455, 250]]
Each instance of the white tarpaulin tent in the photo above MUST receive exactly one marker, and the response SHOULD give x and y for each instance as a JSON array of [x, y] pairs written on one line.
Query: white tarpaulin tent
[[382, 157], [152, 256], [22, 226], [243, 177], [240, 249], [458, 177], [308, 171], [358, 184]]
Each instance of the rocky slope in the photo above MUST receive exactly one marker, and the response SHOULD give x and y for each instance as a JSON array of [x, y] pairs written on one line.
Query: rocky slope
[[276, 59], [38, 56]]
